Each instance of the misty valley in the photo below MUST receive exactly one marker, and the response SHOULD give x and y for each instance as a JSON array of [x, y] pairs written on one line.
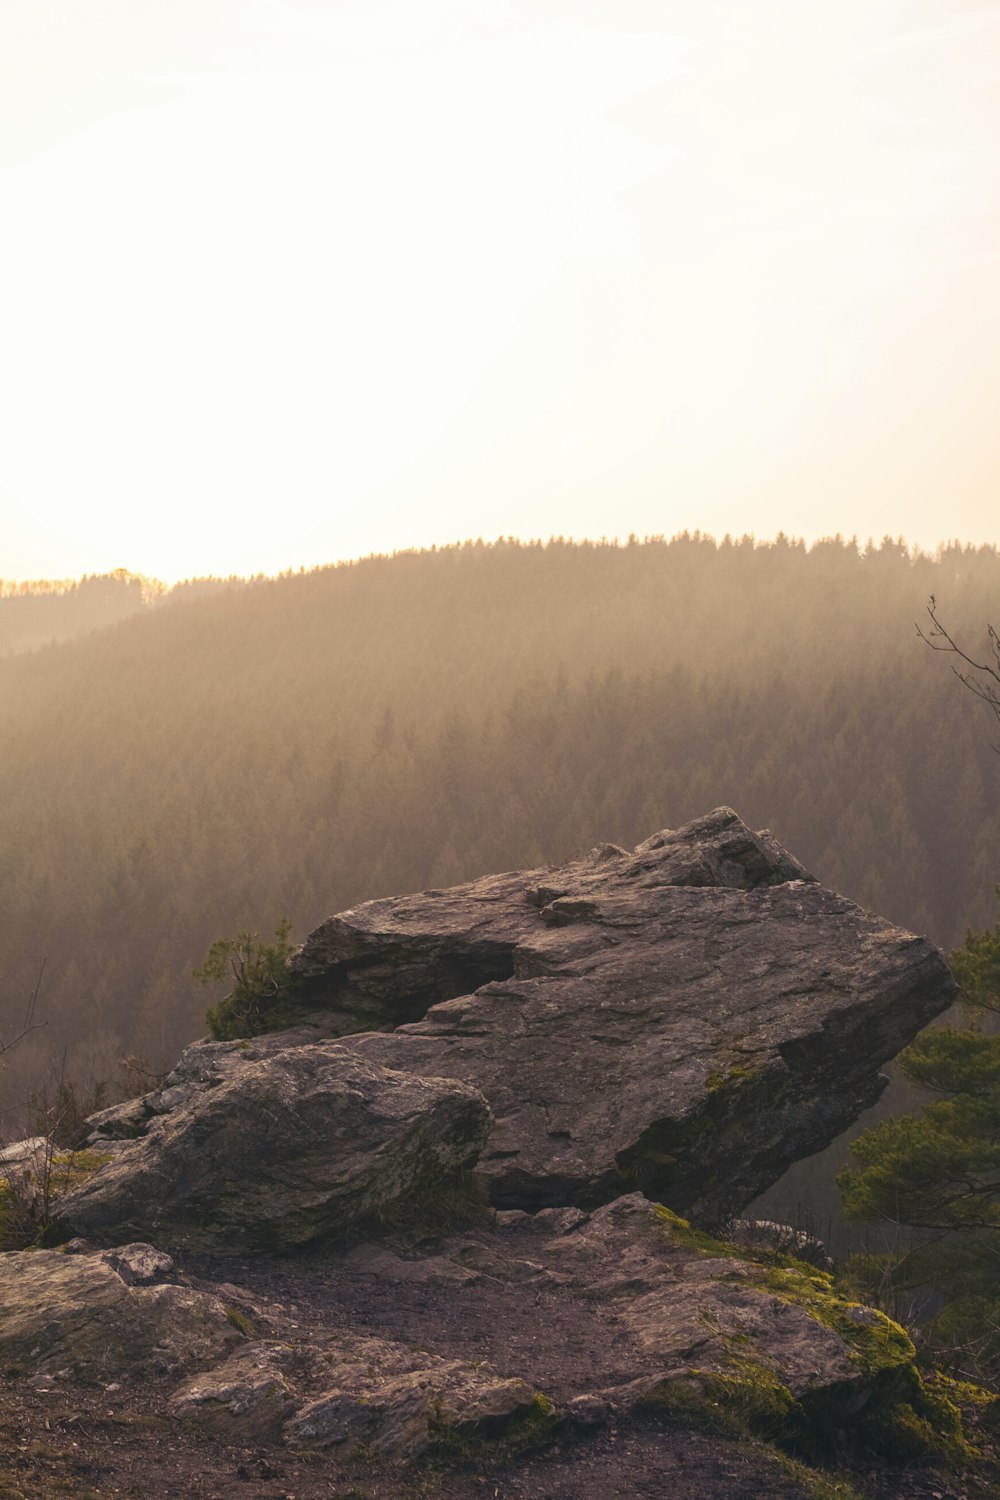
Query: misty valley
[[187, 770]]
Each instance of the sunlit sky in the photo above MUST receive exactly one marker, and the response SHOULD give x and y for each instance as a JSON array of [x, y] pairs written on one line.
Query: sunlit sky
[[286, 281]]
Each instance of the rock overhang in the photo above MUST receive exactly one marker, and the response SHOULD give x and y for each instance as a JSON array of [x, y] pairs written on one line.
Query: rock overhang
[[686, 1019], [689, 1017]]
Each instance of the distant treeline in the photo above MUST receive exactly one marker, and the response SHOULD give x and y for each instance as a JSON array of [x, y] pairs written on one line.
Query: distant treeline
[[297, 745], [45, 611]]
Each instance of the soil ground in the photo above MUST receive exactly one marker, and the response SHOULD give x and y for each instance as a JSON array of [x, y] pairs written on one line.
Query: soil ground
[[87, 1445], [93, 1444]]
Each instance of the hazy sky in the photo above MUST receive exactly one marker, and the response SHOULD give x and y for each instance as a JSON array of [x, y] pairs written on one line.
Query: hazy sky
[[284, 281]]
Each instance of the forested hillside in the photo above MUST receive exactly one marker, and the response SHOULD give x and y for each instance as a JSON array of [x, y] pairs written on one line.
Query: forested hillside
[[39, 613], [304, 743]]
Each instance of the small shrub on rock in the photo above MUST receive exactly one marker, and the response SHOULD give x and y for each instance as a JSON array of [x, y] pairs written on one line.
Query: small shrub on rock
[[265, 992]]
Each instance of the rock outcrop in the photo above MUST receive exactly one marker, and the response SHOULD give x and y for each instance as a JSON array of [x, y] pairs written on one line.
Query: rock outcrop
[[671, 1026], [707, 1315], [528, 1327], [523, 1329], [687, 1019], [354, 1390], [273, 1148]]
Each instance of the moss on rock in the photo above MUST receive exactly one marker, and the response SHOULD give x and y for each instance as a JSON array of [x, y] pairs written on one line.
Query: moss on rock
[[752, 1371], [876, 1343], [682, 1232], [524, 1431]]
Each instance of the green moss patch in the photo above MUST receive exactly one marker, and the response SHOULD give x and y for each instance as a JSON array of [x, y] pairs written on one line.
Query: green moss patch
[[875, 1342], [733, 1076], [749, 1402], [896, 1411], [682, 1232], [747, 1399], [817, 1485], [938, 1425], [240, 1321], [532, 1429], [72, 1168]]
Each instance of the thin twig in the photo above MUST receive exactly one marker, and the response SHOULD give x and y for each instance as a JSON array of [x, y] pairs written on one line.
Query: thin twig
[[29, 1023]]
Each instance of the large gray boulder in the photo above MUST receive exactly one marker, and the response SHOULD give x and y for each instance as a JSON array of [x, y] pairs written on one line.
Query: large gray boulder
[[268, 1149], [379, 965], [687, 1019]]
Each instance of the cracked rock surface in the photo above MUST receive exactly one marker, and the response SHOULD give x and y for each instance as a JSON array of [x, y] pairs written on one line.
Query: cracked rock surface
[[687, 1020], [558, 1322], [272, 1148], [78, 1317]]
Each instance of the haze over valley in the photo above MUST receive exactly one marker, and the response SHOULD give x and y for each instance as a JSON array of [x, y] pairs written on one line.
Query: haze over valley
[[228, 755], [482, 814]]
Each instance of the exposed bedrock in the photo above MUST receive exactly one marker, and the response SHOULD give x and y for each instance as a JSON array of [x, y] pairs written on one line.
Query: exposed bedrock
[[89, 1317], [387, 962], [266, 1152], [686, 1019]]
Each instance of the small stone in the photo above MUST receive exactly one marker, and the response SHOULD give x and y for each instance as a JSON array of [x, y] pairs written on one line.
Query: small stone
[[248, 1396], [139, 1264], [588, 1412], [559, 1220]]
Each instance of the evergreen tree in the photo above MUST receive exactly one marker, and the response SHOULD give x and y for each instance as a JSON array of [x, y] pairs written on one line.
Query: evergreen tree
[[263, 993], [938, 1174]]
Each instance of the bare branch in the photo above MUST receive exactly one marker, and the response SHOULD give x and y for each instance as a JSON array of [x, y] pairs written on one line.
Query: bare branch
[[982, 678], [29, 1023]]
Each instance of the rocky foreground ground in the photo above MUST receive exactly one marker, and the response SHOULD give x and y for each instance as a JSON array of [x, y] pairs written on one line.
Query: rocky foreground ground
[[553, 1355], [436, 1240]]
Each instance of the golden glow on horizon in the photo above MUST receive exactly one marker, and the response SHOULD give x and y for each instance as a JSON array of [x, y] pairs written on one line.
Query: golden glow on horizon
[[292, 282]]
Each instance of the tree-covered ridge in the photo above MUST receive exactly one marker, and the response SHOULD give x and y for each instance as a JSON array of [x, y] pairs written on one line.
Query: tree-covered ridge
[[45, 611], [301, 744]]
